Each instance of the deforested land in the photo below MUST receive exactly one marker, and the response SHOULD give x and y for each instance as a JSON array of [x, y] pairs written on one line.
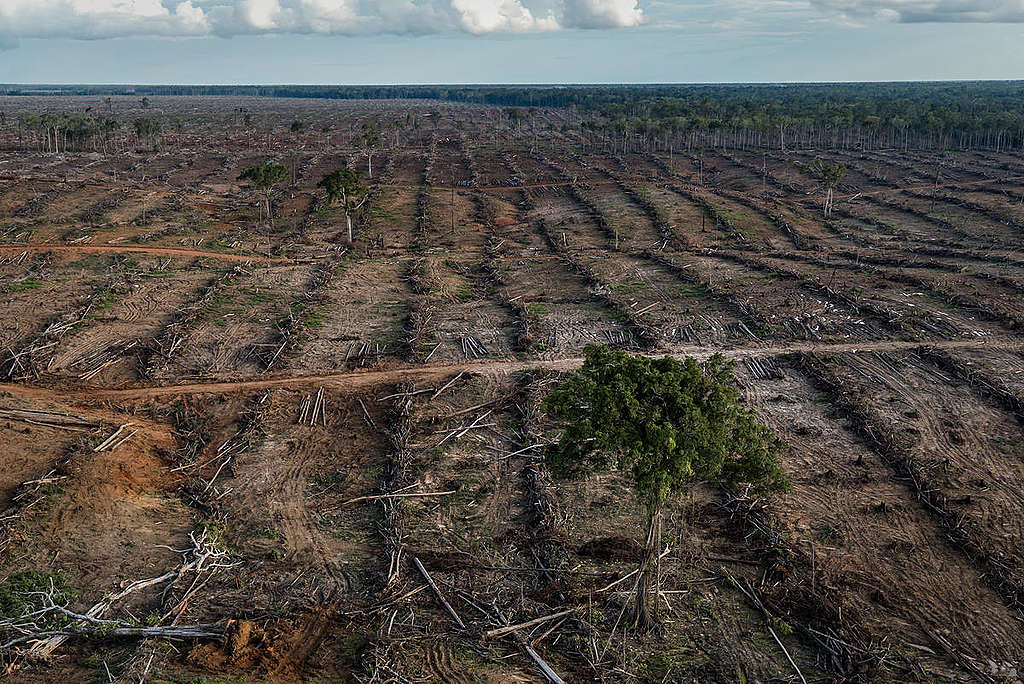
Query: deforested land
[[259, 422]]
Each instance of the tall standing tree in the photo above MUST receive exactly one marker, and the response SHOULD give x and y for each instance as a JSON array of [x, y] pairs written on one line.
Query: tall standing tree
[[265, 177], [831, 176], [369, 139], [395, 127], [666, 423], [147, 128], [344, 185]]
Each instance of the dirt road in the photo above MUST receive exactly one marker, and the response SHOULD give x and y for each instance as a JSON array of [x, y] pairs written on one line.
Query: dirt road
[[361, 379]]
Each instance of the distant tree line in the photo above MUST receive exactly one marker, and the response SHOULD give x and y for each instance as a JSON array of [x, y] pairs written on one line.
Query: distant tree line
[[963, 115], [844, 116]]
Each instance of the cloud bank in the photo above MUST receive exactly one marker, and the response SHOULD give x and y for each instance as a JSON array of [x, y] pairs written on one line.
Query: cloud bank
[[95, 19], [918, 11]]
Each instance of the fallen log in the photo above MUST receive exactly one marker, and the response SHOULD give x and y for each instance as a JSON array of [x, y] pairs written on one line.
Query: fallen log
[[437, 593], [410, 495], [522, 625]]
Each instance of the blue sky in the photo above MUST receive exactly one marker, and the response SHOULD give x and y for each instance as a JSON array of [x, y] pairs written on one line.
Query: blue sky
[[507, 41]]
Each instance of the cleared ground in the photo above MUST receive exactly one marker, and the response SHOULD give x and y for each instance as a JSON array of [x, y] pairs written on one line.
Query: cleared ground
[[276, 383]]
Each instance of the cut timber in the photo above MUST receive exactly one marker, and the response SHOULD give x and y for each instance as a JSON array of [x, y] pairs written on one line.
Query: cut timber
[[437, 593], [410, 495], [113, 440], [549, 674], [447, 385], [522, 625], [47, 418]]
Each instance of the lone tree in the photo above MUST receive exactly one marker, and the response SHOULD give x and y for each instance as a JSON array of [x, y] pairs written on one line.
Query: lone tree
[[395, 127], [666, 423], [344, 185], [831, 175], [264, 177], [147, 128], [368, 140]]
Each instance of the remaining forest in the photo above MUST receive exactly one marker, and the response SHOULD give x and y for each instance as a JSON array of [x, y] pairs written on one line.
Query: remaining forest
[[282, 372]]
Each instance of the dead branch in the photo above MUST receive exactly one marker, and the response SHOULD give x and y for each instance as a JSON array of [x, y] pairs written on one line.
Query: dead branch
[[437, 593], [522, 625]]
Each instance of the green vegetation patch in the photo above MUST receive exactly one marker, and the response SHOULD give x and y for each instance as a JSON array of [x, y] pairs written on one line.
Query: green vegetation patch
[[22, 592], [630, 287], [25, 285]]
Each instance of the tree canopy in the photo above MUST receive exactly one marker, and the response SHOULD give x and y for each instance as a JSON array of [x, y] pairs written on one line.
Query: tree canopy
[[368, 140], [346, 186], [831, 176], [665, 422], [265, 176], [147, 127], [343, 184]]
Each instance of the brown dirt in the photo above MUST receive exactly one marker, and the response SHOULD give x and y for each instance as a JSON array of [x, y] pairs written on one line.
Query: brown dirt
[[851, 550]]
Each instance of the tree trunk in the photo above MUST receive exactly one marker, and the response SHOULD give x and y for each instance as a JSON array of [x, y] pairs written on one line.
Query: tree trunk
[[643, 616], [348, 223]]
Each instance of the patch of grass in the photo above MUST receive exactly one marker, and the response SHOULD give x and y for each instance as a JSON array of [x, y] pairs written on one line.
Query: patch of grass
[[257, 297], [630, 287], [106, 300], [216, 308], [20, 593], [25, 285], [538, 309], [313, 319], [218, 245], [672, 663], [693, 291], [351, 648], [269, 532]]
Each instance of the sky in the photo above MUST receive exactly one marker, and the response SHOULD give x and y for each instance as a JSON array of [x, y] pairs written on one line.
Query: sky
[[508, 41]]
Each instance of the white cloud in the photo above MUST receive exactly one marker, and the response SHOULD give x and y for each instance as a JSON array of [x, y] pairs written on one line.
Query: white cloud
[[260, 15], [910, 11], [94, 19], [490, 16], [98, 18], [597, 14]]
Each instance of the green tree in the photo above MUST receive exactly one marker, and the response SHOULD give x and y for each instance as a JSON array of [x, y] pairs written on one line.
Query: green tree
[[831, 176], [265, 177], [297, 126], [368, 140], [344, 185], [666, 423], [515, 117], [147, 128]]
